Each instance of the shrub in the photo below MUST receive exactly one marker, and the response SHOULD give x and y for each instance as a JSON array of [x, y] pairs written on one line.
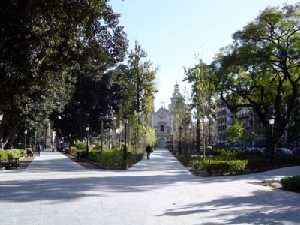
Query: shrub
[[80, 145], [3, 155], [108, 159], [17, 153], [185, 159], [72, 150], [291, 183], [14, 153], [96, 149], [220, 167], [225, 154]]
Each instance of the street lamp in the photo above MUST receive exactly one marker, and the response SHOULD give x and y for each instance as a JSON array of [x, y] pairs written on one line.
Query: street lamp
[[25, 135], [204, 121], [87, 129], [125, 155], [118, 132], [190, 137], [1, 118], [272, 122], [180, 141]]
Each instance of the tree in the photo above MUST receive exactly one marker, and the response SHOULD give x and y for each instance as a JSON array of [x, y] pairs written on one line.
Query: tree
[[94, 101], [260, 70], [202, 94], [235, 131], [137, 82], [43, 47]]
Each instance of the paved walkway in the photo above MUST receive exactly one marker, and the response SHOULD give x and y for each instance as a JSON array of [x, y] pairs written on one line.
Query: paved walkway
[[57, 191]]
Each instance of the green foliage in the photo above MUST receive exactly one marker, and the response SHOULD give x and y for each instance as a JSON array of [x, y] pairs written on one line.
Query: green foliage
[[108, 159], [260, 70], [149, 135], [3, 155], [14, 153], [60, 40], [96, 148], [291, 183], [136, 80], [72, 150], [225, 154], [220, 167], [81, 145], [235, 132], [92, 103], [202, 89]]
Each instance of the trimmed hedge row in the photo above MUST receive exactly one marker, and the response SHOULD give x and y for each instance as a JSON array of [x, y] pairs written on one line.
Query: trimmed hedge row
[[291, 183], [14, 153], [110, 159], [113, 160], [107, 159], [220, 167]]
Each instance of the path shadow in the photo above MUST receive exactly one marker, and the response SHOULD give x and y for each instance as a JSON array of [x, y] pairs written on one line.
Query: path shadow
[[70, 188], [262, 207]]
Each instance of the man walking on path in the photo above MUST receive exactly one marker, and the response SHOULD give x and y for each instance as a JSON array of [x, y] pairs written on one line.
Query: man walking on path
[[148, 150]]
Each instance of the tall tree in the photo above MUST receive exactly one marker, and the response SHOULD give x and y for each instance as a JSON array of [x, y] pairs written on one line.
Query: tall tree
[[93, 102], [44, 45], [137, 82], [260, 70], [202, 95]]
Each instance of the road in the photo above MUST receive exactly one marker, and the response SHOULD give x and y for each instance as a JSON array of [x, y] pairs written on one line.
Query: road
[[56, 191]]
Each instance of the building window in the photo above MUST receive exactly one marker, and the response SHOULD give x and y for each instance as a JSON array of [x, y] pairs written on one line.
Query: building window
[[162, 128]]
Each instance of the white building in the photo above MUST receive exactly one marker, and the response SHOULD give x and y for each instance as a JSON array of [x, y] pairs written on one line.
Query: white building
[[162, 121]]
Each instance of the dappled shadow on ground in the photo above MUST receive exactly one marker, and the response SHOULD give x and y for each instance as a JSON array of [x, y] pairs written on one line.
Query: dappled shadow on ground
[[54, 162], [262, 207], [76, 187]]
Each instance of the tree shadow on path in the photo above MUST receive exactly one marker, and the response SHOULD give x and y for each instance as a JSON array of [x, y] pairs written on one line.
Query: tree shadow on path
[[262, 207]]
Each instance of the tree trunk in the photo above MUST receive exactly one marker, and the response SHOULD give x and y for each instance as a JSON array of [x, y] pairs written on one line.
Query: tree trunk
[[198, 135]]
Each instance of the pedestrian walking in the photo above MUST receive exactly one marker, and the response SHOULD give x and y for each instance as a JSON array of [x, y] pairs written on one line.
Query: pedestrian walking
[[148, 151], [39, 149]]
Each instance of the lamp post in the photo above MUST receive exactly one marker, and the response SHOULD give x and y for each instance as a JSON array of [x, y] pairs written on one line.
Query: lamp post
[[87, 129], [180, 141], [272, 122], [25, 136], [204, 121], [125, 155], [102, 134], [1, 118], [118, 132], [190, 138]]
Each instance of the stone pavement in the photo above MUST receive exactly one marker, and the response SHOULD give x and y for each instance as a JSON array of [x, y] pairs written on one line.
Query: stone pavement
[[160, 191]]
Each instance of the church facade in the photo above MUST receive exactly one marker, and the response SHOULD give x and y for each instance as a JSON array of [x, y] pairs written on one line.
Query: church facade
[[164, 120]]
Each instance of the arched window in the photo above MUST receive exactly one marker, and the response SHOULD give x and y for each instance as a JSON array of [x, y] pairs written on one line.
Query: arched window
[[162, 128]]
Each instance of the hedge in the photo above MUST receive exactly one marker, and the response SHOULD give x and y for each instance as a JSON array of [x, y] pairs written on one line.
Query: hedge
[[220, 167], [108, 159], [14, 153], [291, 183]]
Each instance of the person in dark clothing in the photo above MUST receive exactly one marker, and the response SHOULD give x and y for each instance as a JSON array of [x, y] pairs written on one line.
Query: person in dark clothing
[[148, 151], [39, 149]]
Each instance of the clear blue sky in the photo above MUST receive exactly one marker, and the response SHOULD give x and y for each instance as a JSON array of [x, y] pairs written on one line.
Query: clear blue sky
[[175, 33]]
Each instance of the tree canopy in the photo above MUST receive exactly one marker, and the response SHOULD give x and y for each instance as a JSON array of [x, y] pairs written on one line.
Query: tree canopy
[[44, 46], [260, 70]]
